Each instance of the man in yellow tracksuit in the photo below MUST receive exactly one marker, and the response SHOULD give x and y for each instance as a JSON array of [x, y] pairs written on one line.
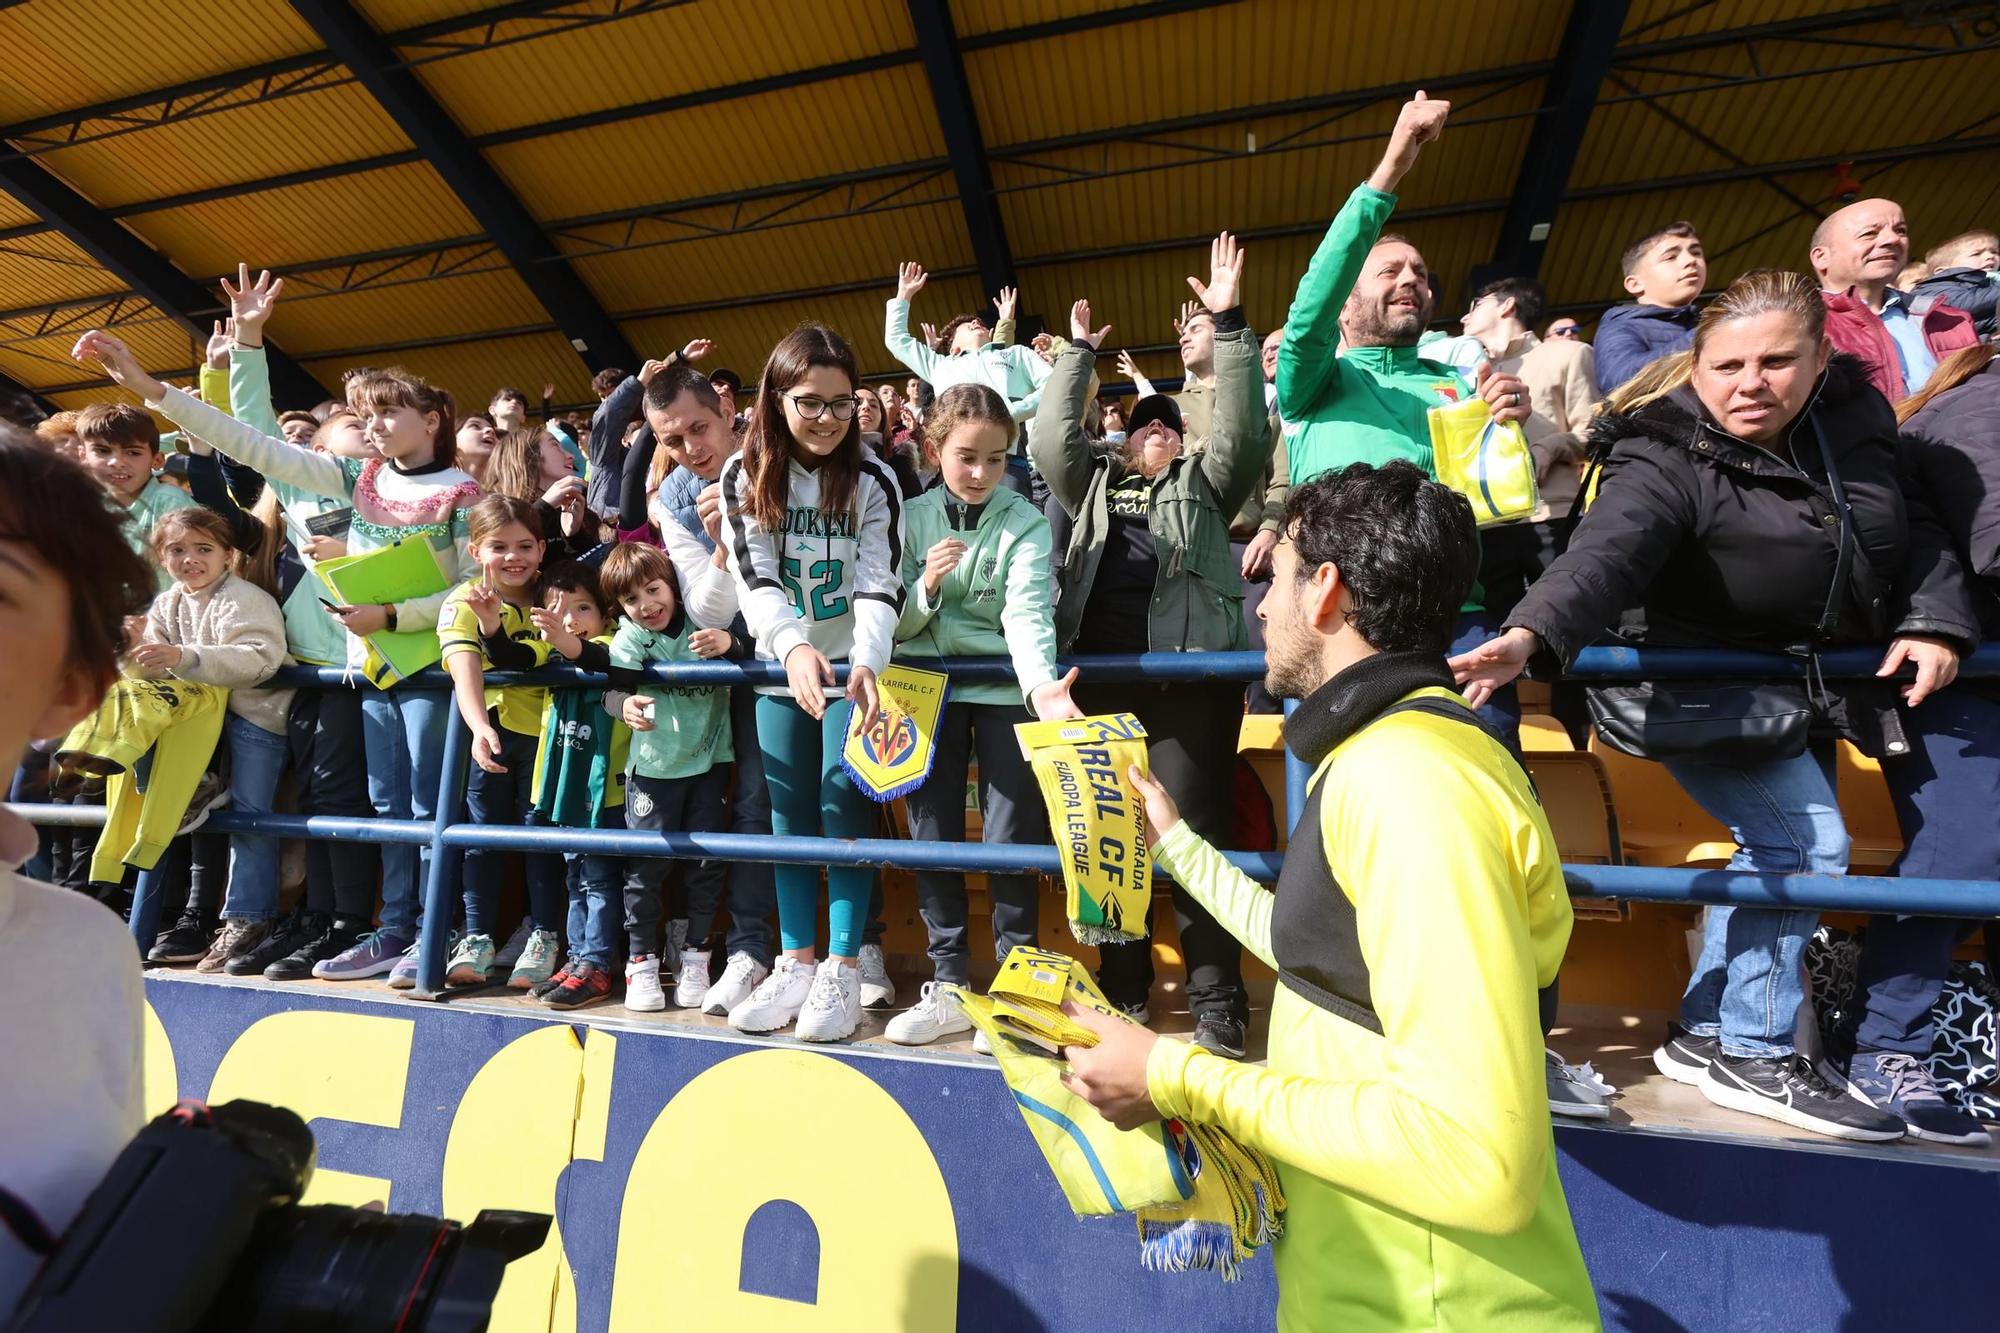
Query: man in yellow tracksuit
[[1419, 916]]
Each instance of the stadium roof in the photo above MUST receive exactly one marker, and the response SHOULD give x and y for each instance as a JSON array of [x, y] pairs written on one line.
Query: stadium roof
[[511, 193]]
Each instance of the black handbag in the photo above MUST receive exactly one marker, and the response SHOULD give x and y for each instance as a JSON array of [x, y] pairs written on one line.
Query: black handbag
[[1726, 721]]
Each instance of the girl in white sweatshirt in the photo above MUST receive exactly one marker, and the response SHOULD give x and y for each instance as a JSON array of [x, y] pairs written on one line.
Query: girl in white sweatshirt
[[811, 525], [409, 488]]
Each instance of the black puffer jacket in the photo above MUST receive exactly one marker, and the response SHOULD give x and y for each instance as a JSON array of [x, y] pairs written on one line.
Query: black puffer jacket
[[1954, 443], [1717, 543]]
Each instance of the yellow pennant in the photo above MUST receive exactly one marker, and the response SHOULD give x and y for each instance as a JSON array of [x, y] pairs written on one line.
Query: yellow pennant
[[894, 756], [1097, 821]]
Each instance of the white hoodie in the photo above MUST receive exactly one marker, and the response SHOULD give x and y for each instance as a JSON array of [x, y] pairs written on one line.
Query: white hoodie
[[831, 580]]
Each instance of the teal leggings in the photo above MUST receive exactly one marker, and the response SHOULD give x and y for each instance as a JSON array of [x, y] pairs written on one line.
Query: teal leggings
[[811, 795]]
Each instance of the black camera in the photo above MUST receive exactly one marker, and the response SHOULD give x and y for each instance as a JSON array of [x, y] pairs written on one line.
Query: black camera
[[197, 1226]]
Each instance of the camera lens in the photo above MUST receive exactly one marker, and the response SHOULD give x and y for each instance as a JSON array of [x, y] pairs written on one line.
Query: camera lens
[[339, 1270]]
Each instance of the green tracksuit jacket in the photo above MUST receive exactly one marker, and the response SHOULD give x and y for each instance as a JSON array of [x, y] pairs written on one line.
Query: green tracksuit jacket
[[996, 603], [1367, 404]]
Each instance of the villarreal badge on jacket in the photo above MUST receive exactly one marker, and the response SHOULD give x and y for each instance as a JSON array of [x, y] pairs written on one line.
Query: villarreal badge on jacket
[[893, 756], [1096, 819]]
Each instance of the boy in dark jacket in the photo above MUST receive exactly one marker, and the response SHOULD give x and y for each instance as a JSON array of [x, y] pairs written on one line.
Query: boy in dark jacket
[[1963, 274], [1664, 271]]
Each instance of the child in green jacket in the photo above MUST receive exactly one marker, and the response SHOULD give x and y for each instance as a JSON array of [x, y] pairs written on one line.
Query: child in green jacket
[[976, 571]]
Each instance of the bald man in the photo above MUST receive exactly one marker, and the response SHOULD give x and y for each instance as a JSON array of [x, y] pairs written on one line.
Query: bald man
[[1857, 253]]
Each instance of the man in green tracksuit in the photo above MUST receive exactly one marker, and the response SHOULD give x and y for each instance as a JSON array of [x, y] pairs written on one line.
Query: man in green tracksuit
[[1350, 382], [1420, 914]]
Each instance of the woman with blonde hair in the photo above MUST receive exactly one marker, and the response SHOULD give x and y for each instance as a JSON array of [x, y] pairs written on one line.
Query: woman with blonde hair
[[1756, 502]]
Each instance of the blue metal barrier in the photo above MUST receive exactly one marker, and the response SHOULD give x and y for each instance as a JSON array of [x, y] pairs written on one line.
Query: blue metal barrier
[[446, 837]]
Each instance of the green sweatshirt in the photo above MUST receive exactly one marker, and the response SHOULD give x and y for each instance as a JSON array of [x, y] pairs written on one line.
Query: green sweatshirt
[[1367, 404], [996, 602], [690, 732], [1418, 1164]]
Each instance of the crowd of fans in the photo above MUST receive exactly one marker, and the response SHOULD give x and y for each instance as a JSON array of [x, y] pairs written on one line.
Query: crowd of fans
[[1802, 461]]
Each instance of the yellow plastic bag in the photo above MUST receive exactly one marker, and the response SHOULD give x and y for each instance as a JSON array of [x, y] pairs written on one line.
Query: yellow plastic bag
[[1097, 821], [1486, 461]]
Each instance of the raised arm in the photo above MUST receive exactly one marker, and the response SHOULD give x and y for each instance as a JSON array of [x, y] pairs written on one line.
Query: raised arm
[[1057, 446], [910, 279], [1239, 443], [1306, 357]]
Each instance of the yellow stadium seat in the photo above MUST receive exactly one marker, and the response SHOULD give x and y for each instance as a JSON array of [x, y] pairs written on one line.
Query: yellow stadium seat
[[1658, 823], [1576, 796], [1871, 818], [1541, 733]]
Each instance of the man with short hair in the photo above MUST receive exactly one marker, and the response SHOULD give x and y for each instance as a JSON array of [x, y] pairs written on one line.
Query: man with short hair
[[1857, 252], [1664, 271], [1565, 328], [1562, 394], [1419, 918], [1352, 385]]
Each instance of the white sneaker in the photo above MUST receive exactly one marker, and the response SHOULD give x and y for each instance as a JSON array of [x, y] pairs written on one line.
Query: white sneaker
[[742, 976], [833, 1004], [676, 938], [517, 943], [691, 987], [642, 986], [980, 1042], [877, 991], [935, 1015], [777, 999]]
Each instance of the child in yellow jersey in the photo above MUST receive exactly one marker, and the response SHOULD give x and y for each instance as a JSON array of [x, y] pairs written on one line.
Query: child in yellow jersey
[[506, 725]]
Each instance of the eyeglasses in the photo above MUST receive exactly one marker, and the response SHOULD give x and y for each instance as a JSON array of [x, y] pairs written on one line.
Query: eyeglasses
[[812, 409], [1566, 331]]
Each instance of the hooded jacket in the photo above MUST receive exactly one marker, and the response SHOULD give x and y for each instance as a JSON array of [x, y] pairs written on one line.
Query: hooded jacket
[[1972, 290], [1954, 443], [1724, 544], [1198, 591], [1859, 332], [1631, 335], [997, 602]]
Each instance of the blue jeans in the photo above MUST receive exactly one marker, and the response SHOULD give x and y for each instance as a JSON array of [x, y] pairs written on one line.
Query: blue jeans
[[1946, 792], [403, 732], [502, 799], [256, 761], [594, 901], [1749, 981], [812, 796]]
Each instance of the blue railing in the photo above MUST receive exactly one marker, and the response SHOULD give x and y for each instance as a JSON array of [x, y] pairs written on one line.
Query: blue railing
[[448, 838]]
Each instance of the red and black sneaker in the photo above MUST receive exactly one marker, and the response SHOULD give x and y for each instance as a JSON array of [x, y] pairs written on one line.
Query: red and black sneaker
[[543, 989], [582, 984]]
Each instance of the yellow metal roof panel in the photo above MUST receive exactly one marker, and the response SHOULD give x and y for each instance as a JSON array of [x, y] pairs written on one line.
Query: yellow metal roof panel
[[14, 213], [307, 324], [71, 55], [701, 151], [394, 15], [702, 268], [47, 267], [161, 345], [1658, 20], [376, 211], [659, 53], [247, 143], [745, 334], [972, 18], [472, 371], [1240, 55]]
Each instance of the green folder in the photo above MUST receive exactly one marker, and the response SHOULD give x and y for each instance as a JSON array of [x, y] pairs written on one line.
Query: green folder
[[394, 573]]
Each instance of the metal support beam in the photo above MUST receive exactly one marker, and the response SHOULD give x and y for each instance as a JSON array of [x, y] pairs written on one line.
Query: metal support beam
[[951, 94], [140, 267], [1584, 58], [478, 186]]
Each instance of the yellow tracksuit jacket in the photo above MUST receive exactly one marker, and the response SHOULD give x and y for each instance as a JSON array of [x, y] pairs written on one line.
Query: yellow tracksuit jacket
[[1418, 1163]]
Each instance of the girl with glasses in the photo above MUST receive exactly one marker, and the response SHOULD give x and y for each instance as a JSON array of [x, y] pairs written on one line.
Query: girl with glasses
[[811, 524]]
